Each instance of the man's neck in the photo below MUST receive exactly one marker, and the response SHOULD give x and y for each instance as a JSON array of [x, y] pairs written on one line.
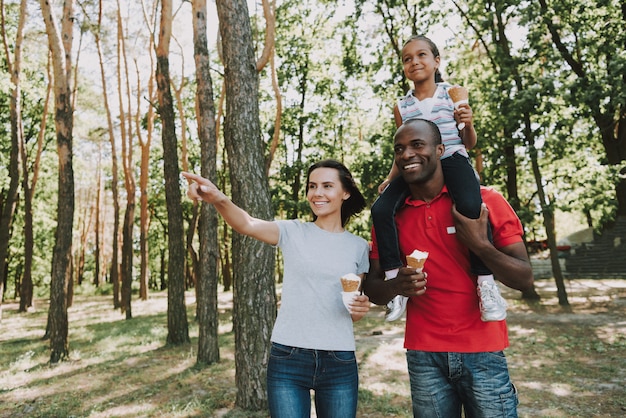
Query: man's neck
[[426, 191]]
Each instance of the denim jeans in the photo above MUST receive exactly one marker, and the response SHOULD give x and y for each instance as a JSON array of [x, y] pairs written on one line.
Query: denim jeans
[[293, 372], [444, 384]]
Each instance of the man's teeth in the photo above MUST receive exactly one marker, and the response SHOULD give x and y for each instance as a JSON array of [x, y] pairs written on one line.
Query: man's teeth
[[410, 166]]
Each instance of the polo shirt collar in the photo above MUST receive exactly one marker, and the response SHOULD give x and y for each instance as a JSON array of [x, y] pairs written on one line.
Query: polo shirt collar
[[410, 202]]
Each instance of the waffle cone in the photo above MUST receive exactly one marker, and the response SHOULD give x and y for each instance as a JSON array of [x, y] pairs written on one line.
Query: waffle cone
[[458, 93], [417, 259], [350, 282]]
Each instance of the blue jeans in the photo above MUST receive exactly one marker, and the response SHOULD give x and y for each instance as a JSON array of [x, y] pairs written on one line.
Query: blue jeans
[[443, 384], [293, 372]]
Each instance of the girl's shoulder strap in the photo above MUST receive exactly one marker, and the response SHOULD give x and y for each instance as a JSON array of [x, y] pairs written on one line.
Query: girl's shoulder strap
[[407, 96]]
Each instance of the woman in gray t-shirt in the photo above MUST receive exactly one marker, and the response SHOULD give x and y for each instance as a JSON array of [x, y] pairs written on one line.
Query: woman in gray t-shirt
[[312, 340]]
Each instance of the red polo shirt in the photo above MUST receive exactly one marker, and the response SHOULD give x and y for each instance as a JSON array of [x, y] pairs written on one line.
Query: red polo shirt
[[447, 318]]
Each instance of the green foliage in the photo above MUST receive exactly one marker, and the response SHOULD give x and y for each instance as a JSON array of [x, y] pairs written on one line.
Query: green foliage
[[339, 75], [520, 97]]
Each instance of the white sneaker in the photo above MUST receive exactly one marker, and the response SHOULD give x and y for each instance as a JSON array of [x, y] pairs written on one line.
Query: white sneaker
[[396, 307], [492, 304]]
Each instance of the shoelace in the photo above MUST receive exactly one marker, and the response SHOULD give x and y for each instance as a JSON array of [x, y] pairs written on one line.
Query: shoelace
[[487, 294]]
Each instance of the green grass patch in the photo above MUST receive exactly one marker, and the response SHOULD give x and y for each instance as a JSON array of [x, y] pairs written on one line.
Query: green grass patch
[[565, 361]]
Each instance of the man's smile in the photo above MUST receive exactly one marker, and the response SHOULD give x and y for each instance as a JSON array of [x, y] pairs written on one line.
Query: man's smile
[[411, 166]]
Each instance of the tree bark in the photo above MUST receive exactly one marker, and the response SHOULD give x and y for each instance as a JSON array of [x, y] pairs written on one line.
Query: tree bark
[[115, 269], [208, 347], [254, 307], [144, 214], [127, 164], [177, 325], [547, 211], [191, 270], [277, 118], [144, 176], [26, 292], [85, 227], [60, 47], [15, 111]]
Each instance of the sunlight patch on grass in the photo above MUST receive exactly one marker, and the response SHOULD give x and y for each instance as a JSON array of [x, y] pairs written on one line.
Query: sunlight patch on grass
[[566, 362], [23, 362], [520, 331], [389, 355], [125, 410], [614, 333]]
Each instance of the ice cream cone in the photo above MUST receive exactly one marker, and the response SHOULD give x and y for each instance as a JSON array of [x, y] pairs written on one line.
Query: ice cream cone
[[350, 282], [458, 94], [416, 260]]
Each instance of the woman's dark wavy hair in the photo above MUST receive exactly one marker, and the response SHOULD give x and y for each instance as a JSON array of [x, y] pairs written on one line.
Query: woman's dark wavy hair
[[356, 202], [433, 49]]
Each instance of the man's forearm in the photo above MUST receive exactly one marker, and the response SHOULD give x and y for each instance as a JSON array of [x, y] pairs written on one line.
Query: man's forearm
[[375, 287], [510, 265]]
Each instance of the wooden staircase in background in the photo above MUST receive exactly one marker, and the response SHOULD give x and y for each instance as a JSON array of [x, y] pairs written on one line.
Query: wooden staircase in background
[[605, 257]]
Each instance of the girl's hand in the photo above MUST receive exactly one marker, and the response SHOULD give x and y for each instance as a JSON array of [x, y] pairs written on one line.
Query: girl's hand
[[464, 114], [383, 186], [359, 307]]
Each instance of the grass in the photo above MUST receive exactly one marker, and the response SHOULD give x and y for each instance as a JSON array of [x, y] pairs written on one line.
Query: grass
[[566, 362]]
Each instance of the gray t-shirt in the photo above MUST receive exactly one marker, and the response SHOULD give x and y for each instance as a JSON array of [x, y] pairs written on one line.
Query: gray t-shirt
[[312, 314]]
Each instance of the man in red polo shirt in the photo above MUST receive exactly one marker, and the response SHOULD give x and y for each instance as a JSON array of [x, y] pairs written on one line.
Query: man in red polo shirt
[[455, 360]]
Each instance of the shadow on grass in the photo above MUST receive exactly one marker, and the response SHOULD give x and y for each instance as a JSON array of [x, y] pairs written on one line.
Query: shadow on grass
[[564, 363], [116, 367]]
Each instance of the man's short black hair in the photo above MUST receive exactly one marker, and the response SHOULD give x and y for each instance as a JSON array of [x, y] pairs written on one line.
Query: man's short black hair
[[432, 125]]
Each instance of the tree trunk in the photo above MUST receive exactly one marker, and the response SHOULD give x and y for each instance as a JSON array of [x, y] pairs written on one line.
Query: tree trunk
[[60, 47], [162, 270], [115, 268], [127, 258], [190, 270], [26, 288], [85, 228], [502, 49], [127, 164], [269, 13], [97, 225], [225, 248], [193, 267], [277, 118], [26, 292], [15, 112], [177, 325], [207, 277], [144, 214], [547, 210], [297, 175], [254, 307]]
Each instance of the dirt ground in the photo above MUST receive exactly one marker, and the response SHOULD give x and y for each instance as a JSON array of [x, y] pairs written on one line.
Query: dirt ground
[[565, 361]]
